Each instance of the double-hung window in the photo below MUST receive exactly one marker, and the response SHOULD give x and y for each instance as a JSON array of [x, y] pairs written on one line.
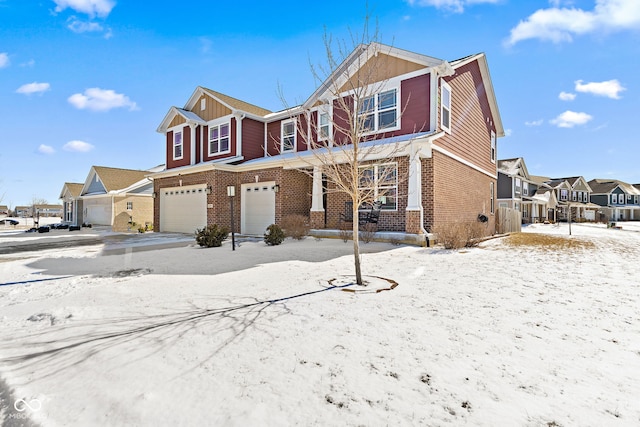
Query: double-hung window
[[288, 136], [323, 125], [381, 182], [378, 112], [564, 194], [445, 107], [219, 139], [614, 199], [177, 145]]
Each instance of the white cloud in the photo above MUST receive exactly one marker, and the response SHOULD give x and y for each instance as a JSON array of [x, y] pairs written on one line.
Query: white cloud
[[96, 99], [610, 88], [4, 60], [569, 119], [92, 8], [77, 146], [45, 149], [78, 26], [29, 63], [456, 6], [558, 24], [35, 87], [534, 123], [566, 96], [508, 132]]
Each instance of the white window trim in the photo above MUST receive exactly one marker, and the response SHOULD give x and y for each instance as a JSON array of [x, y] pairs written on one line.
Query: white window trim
[[377, 187], [445, 86], [376, 112], [173, 144], [218, 125], [295, 135], [614, 198]]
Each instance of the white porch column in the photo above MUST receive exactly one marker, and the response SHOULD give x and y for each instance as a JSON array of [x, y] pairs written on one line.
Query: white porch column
[[414, 192], [316, 195], [193, 127]]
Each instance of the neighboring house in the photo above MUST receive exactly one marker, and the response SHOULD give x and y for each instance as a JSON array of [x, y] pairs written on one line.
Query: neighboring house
[[573, 196], [46, 210], [4, 211], [24, 211], [523, 192], [72, 203], [117, 198], [618, 200], [441, 118]]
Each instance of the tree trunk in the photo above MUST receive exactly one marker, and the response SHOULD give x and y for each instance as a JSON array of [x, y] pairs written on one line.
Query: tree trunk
[[356, 245]]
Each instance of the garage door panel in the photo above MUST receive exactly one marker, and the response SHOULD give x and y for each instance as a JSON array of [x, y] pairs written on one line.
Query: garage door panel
[[183, 209], [258, 207], [98, 212]]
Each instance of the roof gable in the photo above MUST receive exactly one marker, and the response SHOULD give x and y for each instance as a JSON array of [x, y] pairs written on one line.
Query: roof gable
[[375, 62], [102, 180], [514, 167], [74, 189]]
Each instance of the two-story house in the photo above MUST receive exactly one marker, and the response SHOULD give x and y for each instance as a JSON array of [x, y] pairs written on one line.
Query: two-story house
[[523, 192], [618, 200], [440, 116]]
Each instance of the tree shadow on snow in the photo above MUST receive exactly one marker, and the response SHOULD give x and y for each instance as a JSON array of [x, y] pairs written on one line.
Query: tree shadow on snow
[[49, 352]]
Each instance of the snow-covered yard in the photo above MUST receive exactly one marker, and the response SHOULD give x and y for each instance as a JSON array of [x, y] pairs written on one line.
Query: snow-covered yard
[[494, 335]]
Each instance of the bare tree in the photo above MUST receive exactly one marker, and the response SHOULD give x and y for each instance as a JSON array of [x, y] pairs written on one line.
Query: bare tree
[[338, 127]]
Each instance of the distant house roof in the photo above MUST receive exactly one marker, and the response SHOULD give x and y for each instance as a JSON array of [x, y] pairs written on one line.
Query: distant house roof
[[601, 186], [75, 189], [48, 207], [115, 179], [539, 179], [513, 167]]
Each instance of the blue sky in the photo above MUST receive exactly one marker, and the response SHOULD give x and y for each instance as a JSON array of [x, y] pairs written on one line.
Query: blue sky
[[87, 82]]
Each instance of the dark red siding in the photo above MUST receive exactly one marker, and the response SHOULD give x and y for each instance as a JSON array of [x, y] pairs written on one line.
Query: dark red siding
[[415, 94], [186, 149], [252, 139], [273, 138]]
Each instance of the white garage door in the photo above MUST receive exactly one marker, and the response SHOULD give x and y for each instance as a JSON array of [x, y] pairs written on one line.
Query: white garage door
[[258, 205], [98, 211], [183, 209]]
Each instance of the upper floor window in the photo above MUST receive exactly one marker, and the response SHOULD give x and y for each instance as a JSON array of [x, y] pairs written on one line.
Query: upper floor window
[[323, 125], [445, 107], [219, 139], [574, 196], [580, 196], [288, 136], [629, 198], [564, 194], [614, 198], [379, 111], [635, 200], [177, 145], [525, 188], [494, 140], [518, 186], [382, 182]]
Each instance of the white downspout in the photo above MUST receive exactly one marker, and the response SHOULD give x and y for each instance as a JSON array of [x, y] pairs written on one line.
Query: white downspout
[[239, 119]]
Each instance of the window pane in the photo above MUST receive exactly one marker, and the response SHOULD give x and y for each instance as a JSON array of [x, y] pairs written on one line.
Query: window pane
[[213, 133], [287, 144], [324, 132], [387, 119], [367, 105], [288, 128], [177, 138], [368, 123], [388, 198], [387, 99], [367, 178], [446, 97], [214, 146], [224, 131], [445, 118], [324, 119], [224, 144], [387, 175]]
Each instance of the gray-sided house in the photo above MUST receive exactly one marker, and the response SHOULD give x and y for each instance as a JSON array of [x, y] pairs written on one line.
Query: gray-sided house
[[523, 192], [441, 116], [618, 201], [71, 203]]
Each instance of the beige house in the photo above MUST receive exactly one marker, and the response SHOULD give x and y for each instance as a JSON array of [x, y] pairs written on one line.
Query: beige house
[[120, 198], [71, 203]]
